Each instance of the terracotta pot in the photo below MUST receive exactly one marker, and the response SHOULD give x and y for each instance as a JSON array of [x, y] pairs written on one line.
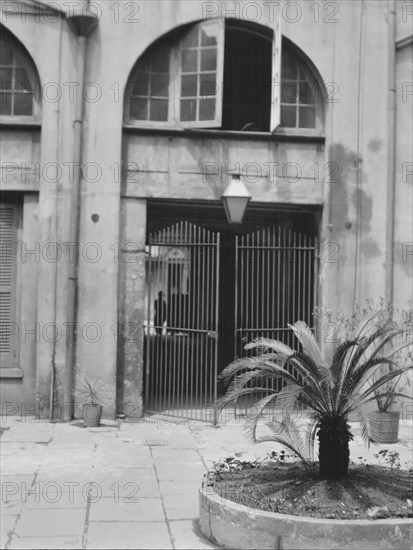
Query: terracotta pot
[[92, 413], [385, 426]]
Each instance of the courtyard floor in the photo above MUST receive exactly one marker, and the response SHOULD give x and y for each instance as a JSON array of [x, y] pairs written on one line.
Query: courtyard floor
[[123, 485]]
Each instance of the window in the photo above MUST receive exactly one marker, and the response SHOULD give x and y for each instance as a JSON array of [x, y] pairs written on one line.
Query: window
[[222, 75], [18, 81], [8, 247], [179, 82], [298, 93]]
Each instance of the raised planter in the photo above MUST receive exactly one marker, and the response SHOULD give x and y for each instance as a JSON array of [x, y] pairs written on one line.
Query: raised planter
[[235, 526], [385, 425]]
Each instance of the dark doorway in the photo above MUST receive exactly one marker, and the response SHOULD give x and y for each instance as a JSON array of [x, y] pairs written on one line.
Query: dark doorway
[[265, 267]]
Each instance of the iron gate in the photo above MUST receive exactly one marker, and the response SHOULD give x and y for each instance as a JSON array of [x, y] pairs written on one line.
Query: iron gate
[[276, 284], [181, 326]]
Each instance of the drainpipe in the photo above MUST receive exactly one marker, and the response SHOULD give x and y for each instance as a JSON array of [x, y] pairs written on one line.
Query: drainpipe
[[391, 155], [83, 22]]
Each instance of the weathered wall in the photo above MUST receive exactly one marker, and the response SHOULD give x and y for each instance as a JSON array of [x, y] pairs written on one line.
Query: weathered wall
[[351, 52], [403, 221]]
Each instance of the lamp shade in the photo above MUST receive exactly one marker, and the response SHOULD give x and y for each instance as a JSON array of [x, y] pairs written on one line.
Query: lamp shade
[[235, 199]]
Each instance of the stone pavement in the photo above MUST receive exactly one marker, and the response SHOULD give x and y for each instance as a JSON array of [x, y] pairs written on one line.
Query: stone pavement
[[122, 485]]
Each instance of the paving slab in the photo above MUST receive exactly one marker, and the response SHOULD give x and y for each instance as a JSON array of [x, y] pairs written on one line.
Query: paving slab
[[46, 543], [136, 535], [51, 523], [129, 508], [65, 486]]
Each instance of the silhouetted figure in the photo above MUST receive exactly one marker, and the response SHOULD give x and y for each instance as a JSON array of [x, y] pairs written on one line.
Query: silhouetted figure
[[160, 312]]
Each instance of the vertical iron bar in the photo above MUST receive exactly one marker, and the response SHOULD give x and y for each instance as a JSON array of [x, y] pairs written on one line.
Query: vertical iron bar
[[148, 313], [300, 313], [207, 327], [217, 260], [236, 297]]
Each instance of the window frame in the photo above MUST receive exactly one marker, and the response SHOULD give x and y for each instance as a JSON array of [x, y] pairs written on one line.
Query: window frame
[[318, 130], [220, 49], [23, 57]]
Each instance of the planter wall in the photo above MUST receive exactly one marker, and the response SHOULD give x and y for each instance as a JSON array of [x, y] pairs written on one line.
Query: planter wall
[[236, 526]]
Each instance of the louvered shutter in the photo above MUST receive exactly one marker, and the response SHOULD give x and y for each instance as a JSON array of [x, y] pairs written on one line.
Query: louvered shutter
[[8, 241]]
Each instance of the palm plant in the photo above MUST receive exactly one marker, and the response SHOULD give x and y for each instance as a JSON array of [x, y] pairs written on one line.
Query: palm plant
[[332, 386]]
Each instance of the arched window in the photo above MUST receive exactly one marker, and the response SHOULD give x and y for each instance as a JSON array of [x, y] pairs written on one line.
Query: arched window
[[301, 99], [19, 83], [223, 75]]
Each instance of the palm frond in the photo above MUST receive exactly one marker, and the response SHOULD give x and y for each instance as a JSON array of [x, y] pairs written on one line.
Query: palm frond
[[262, 344], [308, 341], [384, 379], [233, 397], [287, 434], [363, 372], [256, 413]]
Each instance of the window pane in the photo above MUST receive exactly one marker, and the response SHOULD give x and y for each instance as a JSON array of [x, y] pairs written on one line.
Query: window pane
[[289, 92], [5, 104], [208, 60], [189, 61], [207, 109], [208, 84], [159, 109], [160, 60], [307, 117], [159, 85], [22, 80], [288, 66], [141, 86], [191, 39], [139, 109], [188, 109], [288, 117], [6, 79], [6, 53], [189, 86], [208, 36], [23, 103], [144, 63], [306, 93]]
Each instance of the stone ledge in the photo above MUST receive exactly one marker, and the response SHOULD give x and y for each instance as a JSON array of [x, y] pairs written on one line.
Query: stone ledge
[[235, 526]]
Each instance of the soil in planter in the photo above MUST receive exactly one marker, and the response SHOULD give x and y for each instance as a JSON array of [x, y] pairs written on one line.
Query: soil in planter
[[288, 489]]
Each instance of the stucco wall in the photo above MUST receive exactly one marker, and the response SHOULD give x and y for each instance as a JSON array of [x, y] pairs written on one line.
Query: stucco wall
[[350, 49]]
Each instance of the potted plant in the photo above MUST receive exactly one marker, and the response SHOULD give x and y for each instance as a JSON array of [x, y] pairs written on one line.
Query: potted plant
[[384, 423], [92, 394]]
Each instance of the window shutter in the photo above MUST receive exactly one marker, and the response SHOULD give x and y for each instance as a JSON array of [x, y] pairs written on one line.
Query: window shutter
[[276, 78], [8, 240], [200, 81]]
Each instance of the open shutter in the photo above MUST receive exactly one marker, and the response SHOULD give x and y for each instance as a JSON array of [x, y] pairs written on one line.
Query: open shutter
[[276, 78], [8, 240], [201, 70]]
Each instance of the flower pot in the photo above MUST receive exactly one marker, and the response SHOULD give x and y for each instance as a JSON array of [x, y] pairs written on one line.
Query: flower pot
[[92, 413], [385, 426]]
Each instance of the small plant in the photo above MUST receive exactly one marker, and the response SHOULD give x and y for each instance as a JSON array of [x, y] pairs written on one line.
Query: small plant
[[281, 457], [231, 464], [93, 395], [391, 458], [93, 391]]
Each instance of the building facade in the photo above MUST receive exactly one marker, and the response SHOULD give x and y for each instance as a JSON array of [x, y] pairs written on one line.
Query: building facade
[[121, 126]]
